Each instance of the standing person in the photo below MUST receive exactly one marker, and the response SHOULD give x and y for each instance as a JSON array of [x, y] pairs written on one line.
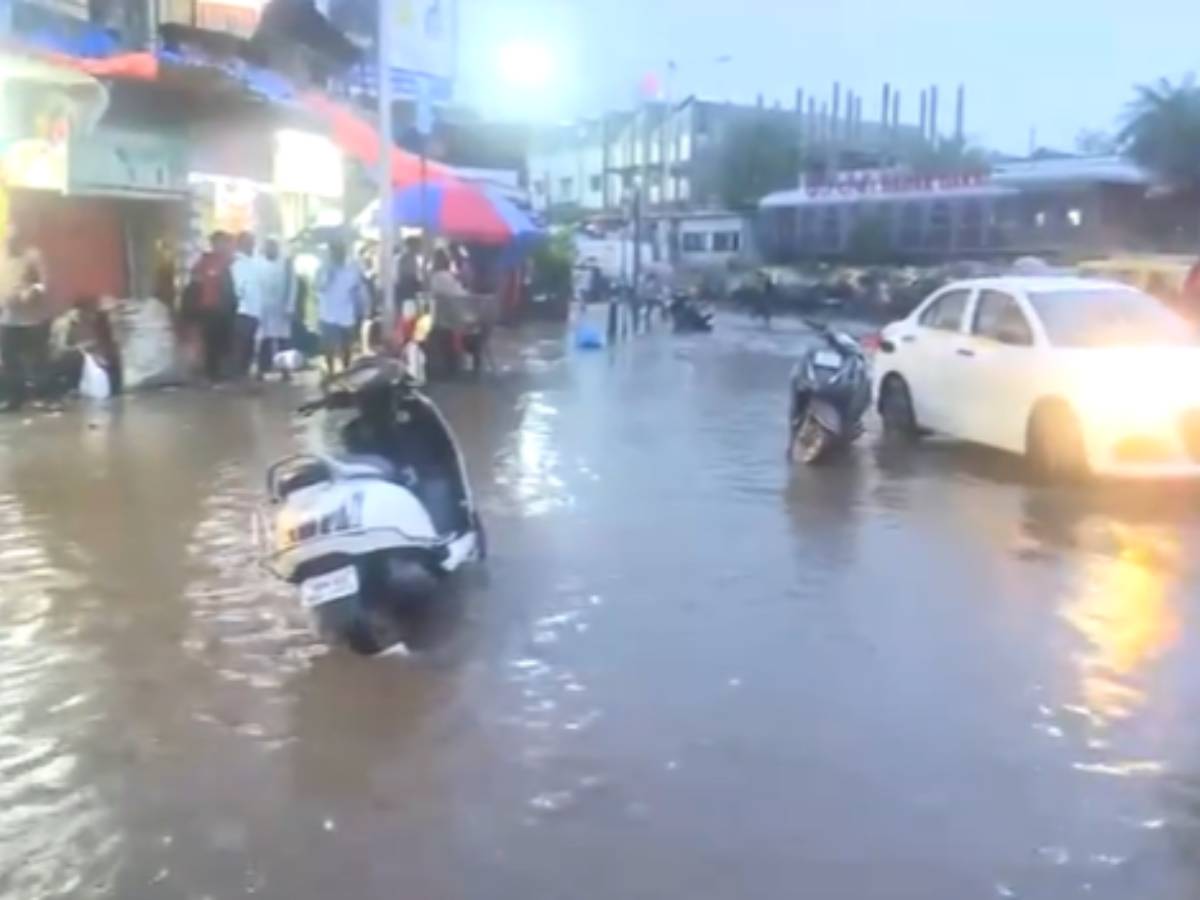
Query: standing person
[[452, 312], [765, 302], [247, 286], [278, 290], [23, 318], [341, 303], [409, 276], [209, 298]]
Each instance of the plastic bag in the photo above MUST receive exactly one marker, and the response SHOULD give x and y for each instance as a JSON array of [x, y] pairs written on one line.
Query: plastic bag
[[149, 355], [93, 381], [587, 337]]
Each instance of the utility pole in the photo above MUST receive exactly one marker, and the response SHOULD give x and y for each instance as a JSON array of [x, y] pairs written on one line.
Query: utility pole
[[387, 227]]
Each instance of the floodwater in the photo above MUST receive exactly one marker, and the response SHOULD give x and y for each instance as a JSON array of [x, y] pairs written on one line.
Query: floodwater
[[687, 671]]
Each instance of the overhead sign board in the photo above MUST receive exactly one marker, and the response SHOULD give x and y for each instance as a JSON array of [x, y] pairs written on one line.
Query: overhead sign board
[[128, 162], [423, 43]]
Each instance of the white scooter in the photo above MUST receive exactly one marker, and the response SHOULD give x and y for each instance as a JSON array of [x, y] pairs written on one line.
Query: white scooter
[[367, 534]]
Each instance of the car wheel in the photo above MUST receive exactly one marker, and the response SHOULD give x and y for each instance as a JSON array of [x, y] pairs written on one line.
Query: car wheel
[[1054, 444], [896, 408]]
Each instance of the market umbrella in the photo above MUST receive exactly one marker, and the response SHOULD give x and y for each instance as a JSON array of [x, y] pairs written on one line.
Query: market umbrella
[[462, 211], [359, 139]]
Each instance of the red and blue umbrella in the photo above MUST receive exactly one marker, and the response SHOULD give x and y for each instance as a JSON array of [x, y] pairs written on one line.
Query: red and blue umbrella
[[462, 211]]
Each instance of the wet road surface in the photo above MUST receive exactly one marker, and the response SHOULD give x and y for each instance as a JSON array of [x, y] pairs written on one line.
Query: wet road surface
[[688, 671]]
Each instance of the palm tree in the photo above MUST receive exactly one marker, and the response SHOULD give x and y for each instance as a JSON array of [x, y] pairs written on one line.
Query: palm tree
[[1161, 132]]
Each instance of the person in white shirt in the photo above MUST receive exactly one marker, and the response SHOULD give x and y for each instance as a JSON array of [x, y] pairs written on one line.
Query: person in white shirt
[[278, 294], [341, 304], [247, 286]]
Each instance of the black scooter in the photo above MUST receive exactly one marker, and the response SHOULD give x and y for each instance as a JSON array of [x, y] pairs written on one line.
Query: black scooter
[[830, 394]]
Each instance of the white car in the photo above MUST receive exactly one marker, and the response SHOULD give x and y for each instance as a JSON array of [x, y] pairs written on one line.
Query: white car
[[1082, 376]]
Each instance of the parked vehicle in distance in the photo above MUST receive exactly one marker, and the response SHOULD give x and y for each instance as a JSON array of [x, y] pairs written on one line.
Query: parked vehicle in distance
[[830, 395], [1080, 375], [689, 315]]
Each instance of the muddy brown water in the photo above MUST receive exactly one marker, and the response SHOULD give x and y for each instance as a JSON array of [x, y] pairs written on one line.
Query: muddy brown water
[[688, 671]]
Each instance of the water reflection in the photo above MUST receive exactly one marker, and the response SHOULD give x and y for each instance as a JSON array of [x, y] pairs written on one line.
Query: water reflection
[[528, 467], [1121, 606]]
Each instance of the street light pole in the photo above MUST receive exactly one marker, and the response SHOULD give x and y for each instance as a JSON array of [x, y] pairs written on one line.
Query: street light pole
[[387, 227]]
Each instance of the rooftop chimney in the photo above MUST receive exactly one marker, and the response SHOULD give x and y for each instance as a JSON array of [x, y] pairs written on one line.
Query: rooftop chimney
[[933, 114], [960, 112]]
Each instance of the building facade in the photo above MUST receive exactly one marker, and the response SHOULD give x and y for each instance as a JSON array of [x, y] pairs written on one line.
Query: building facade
[[670, 157], [1060, 208]]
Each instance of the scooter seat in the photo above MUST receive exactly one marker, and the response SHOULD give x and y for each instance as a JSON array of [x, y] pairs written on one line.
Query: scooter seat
[[363, 466]]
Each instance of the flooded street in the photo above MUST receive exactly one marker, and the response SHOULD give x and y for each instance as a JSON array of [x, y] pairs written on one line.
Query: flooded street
[[687, 671]]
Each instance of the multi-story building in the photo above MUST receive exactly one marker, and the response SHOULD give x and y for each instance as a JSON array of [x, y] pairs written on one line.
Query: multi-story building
[[671, 156]]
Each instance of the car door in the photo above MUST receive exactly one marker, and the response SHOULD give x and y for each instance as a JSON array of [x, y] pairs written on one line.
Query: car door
[[998, 371], [930, 346]]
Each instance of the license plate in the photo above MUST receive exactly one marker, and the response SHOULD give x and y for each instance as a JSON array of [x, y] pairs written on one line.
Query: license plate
[[329, 587], [827, 359]]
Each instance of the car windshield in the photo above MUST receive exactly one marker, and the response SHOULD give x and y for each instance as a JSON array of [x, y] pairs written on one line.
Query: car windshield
[[1109, 318]]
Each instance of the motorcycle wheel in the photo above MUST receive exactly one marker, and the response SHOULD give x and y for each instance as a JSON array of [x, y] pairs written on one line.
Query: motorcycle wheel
[[345, 622], [811, 442]]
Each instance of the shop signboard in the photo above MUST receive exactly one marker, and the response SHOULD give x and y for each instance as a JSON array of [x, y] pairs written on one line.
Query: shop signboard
[[309, 164], [35, 136], [423, 45], [883, 181], [127, 162], [37, 162]]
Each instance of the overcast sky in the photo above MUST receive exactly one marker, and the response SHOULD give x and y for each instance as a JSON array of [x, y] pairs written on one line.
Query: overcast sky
[[1054, 65]]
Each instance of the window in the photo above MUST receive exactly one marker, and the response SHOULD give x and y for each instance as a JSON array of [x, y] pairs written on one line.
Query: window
[[999, 317], [946, 312], [539, 187], [595, 182], [727, 241], [695, 242], [565, 186], [1109, 318], [1075, 217]]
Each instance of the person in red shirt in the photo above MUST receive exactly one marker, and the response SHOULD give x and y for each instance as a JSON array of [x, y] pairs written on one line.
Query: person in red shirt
[[211, 301]]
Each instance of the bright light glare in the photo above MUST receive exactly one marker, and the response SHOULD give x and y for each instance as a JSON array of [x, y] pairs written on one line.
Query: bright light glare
[[527, 64]]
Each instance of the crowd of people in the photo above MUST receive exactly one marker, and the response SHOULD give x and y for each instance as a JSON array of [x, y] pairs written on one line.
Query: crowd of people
[[240, 306], [246, 312], [44, 354]]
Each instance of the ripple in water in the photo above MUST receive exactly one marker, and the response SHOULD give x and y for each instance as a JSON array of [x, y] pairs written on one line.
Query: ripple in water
[[56, 836]]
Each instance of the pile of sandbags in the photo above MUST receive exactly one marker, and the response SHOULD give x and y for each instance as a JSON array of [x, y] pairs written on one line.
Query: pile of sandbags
[[150, 354]]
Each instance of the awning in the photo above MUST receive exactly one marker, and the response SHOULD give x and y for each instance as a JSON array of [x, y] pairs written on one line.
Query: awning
[[359, 139]]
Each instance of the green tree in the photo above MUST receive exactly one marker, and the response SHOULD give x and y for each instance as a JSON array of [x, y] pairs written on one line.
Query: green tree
[[1161, 132], [1094, 142], [758, 156]]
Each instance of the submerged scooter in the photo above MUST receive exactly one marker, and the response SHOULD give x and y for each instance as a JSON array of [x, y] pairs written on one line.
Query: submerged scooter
[[831, 392], [688, 315], [371, 533]]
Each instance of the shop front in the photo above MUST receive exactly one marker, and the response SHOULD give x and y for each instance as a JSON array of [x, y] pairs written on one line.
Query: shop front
[[137, 179], [310, 181], [44, 107]]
